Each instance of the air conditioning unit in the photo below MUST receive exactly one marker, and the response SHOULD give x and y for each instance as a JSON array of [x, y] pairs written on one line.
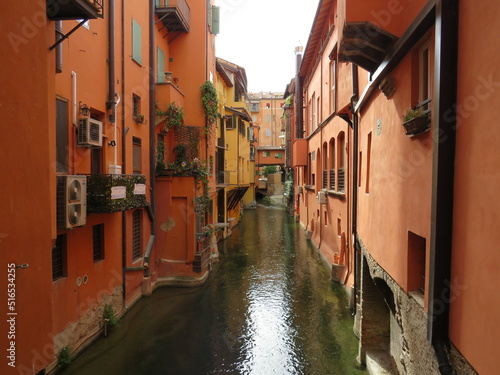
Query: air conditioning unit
[[298, 190], [71, 201], [322, 197], [89, 132]]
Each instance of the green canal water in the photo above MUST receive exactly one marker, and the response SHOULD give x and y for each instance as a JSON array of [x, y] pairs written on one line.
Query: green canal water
[[269, 307]]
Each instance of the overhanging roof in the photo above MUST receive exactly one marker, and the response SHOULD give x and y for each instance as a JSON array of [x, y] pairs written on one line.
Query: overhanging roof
[[365, 45]]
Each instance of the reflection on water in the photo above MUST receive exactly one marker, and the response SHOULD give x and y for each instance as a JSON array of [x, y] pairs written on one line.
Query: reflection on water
[[269, 308]]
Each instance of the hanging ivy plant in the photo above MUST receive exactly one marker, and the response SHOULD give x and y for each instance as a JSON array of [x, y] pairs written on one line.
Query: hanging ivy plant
[[210, 101], [174, 116], [210, 105]]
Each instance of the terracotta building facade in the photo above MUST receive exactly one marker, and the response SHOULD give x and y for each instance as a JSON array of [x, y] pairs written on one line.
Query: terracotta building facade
[[385, 159]]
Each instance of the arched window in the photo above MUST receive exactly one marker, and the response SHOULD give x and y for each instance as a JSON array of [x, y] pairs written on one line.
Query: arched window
[[341, 162], [331, 165], [325, 165]]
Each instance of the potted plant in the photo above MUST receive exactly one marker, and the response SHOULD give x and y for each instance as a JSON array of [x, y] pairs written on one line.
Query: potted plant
[[139, 118], [416, 121]]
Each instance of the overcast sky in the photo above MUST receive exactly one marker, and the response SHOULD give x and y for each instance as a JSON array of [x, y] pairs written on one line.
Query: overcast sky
[[261, 35]]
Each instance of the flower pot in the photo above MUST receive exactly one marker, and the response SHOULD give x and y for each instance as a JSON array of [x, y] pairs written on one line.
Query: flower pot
[[417, 125]]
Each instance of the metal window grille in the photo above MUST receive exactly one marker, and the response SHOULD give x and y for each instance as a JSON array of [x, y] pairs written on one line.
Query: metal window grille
[[136, 234], [58, 258], [332, 179], [341, 179]]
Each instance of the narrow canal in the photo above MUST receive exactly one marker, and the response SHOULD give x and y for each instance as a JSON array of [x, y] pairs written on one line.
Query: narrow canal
[[269, 308]]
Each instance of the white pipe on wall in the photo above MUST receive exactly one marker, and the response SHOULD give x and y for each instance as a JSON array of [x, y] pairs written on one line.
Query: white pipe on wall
[[73, 97]]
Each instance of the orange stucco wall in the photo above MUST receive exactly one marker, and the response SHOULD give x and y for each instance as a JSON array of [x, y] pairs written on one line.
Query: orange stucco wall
[[393, 16], [475, 307], [28, 181]]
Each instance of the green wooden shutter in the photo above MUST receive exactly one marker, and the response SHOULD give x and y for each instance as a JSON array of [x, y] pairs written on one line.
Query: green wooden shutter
[[136, 42], [215, 19], [161, 67]]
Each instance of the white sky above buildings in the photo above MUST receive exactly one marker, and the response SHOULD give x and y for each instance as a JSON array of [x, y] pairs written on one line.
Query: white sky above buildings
[[261, 36]]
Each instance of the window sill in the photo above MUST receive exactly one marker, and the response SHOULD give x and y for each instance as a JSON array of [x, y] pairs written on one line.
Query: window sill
[[336, 194]]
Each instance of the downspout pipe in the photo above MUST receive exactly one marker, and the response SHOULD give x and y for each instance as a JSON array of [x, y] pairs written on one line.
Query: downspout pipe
[[355, 173], [152, 137], [443, 179], [124, 157], [299, 133]]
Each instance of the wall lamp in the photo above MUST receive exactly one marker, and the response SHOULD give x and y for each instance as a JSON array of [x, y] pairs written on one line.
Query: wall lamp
[[84, 109]]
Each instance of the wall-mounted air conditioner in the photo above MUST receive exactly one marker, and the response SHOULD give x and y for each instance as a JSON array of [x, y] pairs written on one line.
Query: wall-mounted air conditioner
[[322, 197], [298, 190], [89, 132], [71, 201]]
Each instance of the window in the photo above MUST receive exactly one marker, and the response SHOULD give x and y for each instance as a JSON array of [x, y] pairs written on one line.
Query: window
[[98, 242], [254, 107], [266, 154], [324, 165], [318, 108], [59, 262], [136, 42], [416, 263], [230, 121], [341, 162], [62, 136], [278, 155], [241, 126], [136, 105], [136, 234], [268, 118], [96, 160], [137, 155], [331, 161], [368, 157], [333, 81], [268, 132], [313, 112], [160, 71], [424, 74]]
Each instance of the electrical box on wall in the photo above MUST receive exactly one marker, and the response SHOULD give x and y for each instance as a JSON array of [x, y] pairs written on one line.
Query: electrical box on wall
[[322, 197]]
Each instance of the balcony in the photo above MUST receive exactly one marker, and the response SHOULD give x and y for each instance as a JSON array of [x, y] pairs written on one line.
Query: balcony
[[365, 45], [74, 9], [175, 14], [108, 193], [167, 93], [299, 152]]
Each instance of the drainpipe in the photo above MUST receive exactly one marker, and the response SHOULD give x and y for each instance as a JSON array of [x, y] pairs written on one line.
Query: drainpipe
[[355, 164], [152, 159], [124, 162], [445, 98]]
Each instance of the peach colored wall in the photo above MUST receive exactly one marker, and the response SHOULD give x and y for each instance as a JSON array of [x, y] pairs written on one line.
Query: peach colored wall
[[399, 197], [475, 306]]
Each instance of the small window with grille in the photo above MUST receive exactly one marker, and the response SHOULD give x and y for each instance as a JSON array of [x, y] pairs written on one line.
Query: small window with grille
[[136, 234], [59, 261]]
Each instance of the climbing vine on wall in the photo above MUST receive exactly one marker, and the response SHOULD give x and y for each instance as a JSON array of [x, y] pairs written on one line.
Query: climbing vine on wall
[[210, 105]]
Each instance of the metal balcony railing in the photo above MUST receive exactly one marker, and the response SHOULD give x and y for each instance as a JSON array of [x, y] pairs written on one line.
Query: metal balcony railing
[[175, 14]]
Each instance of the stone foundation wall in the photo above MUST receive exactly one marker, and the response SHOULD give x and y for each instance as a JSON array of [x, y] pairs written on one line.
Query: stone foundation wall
[[78, 335], [407, 340]]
